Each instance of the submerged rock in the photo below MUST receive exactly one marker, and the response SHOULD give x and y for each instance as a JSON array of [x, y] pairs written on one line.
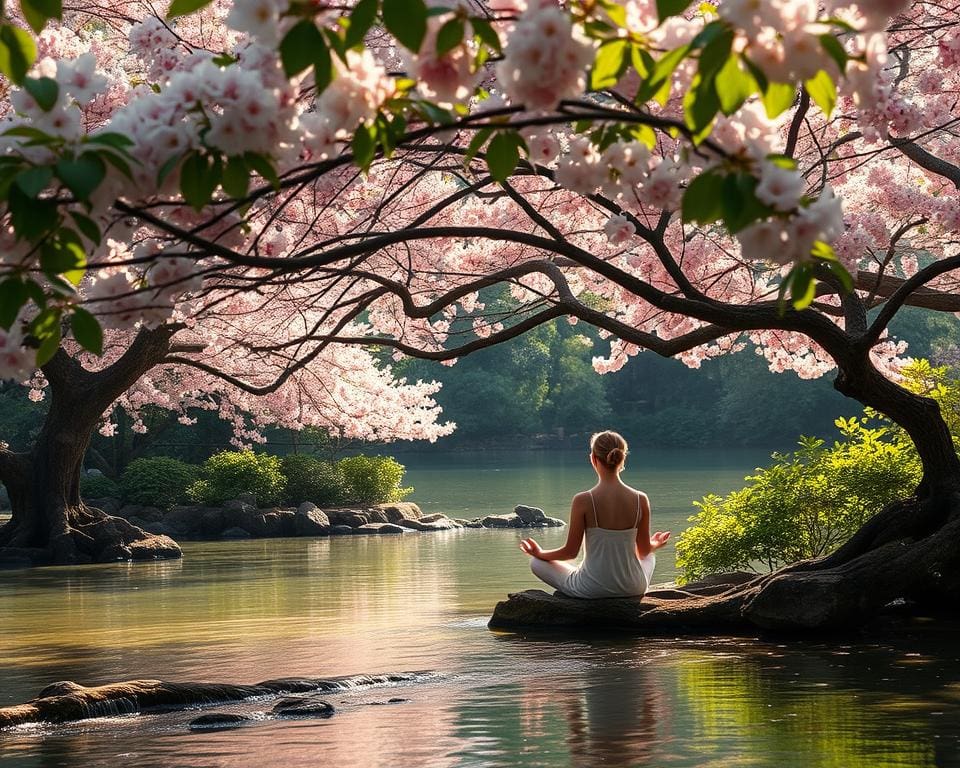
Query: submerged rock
[[380, 528], [499, 521], [304, 706], [215, 720]]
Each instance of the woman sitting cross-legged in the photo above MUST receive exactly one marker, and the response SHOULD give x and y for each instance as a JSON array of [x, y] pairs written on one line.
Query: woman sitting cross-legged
[[615, 518]]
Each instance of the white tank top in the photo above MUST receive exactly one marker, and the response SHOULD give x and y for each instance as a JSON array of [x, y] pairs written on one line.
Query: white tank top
[[610, 566]]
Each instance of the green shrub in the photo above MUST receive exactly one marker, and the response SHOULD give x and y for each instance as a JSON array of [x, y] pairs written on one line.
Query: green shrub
[[157, 482], [311, 479], [228, 474], [98, 487], [372, 479], [804, 505]]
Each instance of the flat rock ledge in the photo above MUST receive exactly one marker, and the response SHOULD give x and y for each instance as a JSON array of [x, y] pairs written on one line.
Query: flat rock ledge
[[664, 609], [66, 701]]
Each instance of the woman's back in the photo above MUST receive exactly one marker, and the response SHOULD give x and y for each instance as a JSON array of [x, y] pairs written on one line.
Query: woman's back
[[611, 566]]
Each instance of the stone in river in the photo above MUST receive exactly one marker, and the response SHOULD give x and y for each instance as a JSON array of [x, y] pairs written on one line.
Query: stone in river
[[528, 514], [340, 530], [552, 522], [310, 520], [383, 528], [215, 720], [400, 510], [303, 706], [500, 521]]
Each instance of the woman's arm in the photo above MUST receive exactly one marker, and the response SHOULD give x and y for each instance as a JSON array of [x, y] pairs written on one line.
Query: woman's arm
[[645, 542], [574, 535]]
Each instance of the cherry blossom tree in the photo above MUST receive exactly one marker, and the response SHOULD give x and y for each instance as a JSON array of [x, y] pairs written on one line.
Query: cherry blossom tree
[[693, 180]]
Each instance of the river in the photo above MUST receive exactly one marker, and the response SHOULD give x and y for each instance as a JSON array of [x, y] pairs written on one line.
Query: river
[[248, 611]]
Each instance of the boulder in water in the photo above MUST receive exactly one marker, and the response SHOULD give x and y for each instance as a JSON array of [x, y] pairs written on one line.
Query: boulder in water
[[527, 514], [217, 720], [304, 706]]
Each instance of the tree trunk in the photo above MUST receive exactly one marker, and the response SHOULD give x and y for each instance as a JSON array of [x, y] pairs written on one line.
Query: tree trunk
[[50, 524]]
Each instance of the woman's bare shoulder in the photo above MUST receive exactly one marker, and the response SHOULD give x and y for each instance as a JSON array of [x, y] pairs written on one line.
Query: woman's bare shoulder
[[639, 493]]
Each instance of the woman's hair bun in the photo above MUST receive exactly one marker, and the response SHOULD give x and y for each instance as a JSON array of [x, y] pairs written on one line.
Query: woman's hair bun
[[609, 448], [616, 456]]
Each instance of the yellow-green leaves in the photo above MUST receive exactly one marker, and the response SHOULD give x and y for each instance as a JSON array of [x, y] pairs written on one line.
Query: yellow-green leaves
[[823, 91], [17, 52], [503, 154], [611, 62], [406, 20]]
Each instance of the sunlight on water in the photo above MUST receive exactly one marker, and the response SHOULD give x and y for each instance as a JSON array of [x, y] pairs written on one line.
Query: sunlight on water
[[247, 611]]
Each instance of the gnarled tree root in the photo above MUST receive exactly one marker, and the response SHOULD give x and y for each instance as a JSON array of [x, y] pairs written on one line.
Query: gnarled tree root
[[66, 701], [89, 536], [908, 552]]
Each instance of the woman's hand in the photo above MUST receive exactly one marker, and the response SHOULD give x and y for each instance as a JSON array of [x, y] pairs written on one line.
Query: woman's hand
[[658, 540], [530, 547]]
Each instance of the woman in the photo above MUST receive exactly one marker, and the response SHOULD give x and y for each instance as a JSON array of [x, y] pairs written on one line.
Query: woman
[[619, 557]]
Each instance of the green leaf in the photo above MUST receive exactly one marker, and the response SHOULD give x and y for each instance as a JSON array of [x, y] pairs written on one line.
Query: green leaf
[[503, 154], [703, 200], [34, 180], [700, 107], [87, 226], [778, 98], [361, 19], [715, 53], [199, 177], [657, 85], [236, 177], [50, 343], [741, 207], [13, 295], [82, 175], [183, 7], [263, 166], [668, 8], [835, 50], [478, 140], [44, 91], [734, 85], [406, 20], [39, 12], [31, 218], [803, 288], [364, 146], [450, 36], [87, 330], [322, 67], [63, 257], [298, 47], [823, 91], [111, 139], [18, 51], [609, 65], [487, 34]]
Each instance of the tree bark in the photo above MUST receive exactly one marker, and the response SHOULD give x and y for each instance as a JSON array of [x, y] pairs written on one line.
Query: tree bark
[[50, 524]]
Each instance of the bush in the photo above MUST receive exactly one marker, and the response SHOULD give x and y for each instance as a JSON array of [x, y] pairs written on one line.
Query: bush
[[98, 487], [311, 479], [804, 505], [157, 482], [228, 474], [372, 479]]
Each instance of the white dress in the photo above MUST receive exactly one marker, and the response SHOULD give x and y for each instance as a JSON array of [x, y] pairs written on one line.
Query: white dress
[[610, 566]]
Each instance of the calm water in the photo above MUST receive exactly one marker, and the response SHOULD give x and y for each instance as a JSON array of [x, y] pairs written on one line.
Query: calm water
[[248, 611]]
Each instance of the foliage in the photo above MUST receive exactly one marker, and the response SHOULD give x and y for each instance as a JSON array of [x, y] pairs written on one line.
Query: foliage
[[309, 478], [160, 482], [98, 487], [228, 474], [803, 505], [373, 479]]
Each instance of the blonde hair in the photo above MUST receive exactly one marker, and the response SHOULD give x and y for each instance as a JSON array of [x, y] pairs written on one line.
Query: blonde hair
[[609, 448]]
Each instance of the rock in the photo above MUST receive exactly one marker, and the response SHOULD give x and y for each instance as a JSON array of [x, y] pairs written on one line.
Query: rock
[[155, 547], [394, 700], [247, 499], [352, 517], [310, 520], [160, 529], [218, 720], [400, 510], [303, 706], [475, 523], [93, 472], [384, 528], [186, 521], [552, 522], [500, 521], [435, 517], [528, 514], [437, 525], [340, 530], [129, 510], [108, 504], [235, 533], [212, 523]]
